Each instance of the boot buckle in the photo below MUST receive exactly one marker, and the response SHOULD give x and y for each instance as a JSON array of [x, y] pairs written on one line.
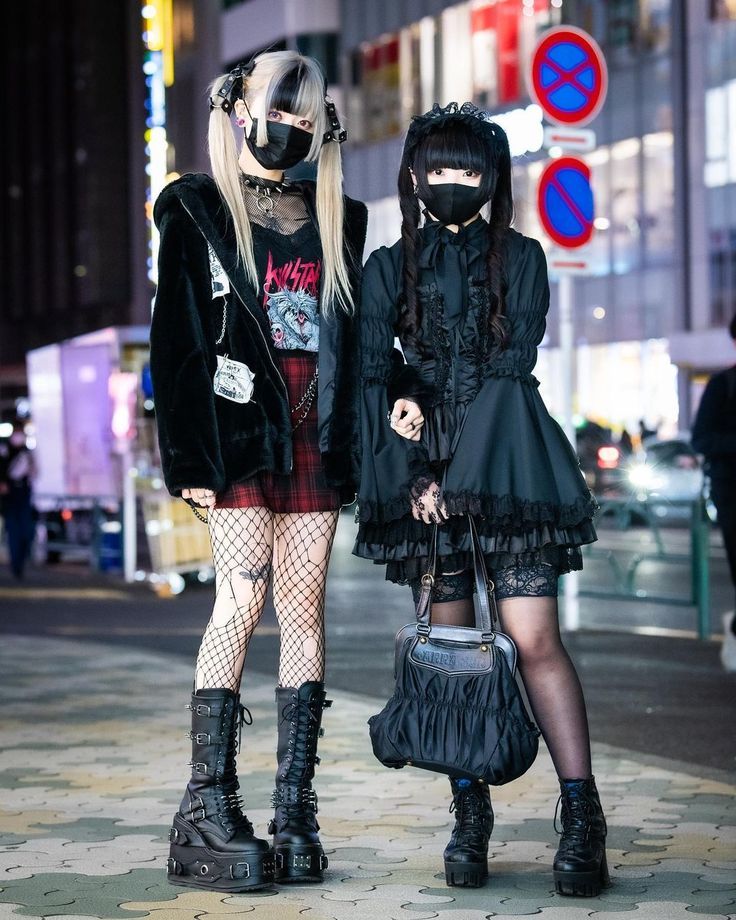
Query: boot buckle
[[173, 835], [201, 737], [198, 812], [198, 767], [201, 709], [172, 866], [323, 862], [245, 873]]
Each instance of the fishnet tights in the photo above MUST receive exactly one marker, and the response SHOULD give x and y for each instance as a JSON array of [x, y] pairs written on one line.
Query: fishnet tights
[[247, 544], [302, 554]]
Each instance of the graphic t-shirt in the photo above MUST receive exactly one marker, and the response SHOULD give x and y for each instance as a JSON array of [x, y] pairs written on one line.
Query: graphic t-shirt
[[291, 269]]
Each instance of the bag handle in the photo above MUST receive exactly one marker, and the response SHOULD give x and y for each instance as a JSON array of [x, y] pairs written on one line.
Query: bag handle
[[487, 610]]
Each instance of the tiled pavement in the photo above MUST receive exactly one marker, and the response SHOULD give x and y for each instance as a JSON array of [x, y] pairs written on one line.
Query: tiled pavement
[[93, 764]]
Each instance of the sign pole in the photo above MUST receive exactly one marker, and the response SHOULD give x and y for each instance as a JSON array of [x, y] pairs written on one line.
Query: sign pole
[[568, 78], [565, 289]]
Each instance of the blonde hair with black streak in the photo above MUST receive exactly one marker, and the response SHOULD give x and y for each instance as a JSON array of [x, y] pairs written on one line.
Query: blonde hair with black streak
[[259, 89]]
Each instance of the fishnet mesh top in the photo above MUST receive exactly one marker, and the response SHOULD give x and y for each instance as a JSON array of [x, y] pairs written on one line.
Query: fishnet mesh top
[[289, 213]]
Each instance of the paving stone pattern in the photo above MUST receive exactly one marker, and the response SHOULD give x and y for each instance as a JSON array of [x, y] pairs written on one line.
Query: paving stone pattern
[[93, 766]]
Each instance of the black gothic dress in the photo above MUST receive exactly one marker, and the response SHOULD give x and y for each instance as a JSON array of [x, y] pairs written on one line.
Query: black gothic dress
[[487, 437]]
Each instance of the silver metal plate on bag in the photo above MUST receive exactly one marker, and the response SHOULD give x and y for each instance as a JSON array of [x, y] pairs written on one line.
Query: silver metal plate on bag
[[455, 649]]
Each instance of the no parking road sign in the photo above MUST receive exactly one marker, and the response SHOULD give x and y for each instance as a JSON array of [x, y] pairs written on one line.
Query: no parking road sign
[[565, 202], [569, 78]]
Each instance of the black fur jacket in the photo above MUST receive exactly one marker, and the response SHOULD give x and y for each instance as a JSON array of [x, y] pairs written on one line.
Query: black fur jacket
[[207, 441]]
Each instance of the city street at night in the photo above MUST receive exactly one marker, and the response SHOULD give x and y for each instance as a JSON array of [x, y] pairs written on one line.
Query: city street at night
[[368, 460]]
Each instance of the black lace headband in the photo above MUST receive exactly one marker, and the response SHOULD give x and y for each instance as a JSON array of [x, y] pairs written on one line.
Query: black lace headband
[[232, 89], [478, 120]]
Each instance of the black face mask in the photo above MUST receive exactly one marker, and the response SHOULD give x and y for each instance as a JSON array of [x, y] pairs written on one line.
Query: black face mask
[[453, 203], [286, 146]]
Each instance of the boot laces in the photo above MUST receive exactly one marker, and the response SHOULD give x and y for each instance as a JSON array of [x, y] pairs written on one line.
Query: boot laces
[[294, 712], [575, 812], [470, 819], [231, 801]]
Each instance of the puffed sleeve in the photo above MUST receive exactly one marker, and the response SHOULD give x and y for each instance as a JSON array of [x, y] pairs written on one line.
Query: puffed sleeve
[[390, 463], [182, 361], [527, 304]]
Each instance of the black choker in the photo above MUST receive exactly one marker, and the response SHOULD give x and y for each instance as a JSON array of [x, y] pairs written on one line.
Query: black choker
[[267, 192], [258, 182]]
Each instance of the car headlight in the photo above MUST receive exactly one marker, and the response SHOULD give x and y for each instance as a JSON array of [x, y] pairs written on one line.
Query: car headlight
[[642, 476]]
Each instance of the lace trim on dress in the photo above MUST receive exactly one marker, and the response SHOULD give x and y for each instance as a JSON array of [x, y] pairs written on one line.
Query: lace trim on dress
[[506, 513]]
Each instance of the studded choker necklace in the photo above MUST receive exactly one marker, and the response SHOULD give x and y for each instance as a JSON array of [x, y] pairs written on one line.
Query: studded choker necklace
[[264, 191]]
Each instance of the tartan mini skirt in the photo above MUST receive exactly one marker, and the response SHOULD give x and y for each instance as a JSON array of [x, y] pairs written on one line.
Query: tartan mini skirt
[[305, 489]]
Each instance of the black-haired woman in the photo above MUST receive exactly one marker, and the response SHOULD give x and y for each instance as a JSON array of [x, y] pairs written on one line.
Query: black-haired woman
[[456, 426]]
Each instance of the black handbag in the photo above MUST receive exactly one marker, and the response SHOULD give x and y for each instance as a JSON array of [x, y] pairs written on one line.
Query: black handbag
[[456, 707]]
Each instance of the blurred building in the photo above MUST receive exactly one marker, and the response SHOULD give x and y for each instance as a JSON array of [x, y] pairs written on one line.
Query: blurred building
[[119, 108], [66, 236], [649, 318]]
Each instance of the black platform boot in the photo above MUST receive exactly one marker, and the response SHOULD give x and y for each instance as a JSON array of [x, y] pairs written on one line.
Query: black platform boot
[[297, 848], [466, 855], [212, 841], [580, 866]]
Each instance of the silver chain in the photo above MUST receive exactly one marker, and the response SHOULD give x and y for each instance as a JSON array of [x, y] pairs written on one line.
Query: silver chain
[[224, 321], [306, 401]]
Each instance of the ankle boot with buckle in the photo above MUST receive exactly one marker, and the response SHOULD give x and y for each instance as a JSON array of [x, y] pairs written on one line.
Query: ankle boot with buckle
[[212, 841], [297, 847], [580, 867], [466, 855]]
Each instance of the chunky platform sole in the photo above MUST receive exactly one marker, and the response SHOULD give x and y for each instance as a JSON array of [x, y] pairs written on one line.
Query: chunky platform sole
[[193, 864], [582, 884], [466, 874], [299, 863]]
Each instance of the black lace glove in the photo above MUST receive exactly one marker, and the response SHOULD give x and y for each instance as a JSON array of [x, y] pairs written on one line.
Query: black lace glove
[[427, 503]]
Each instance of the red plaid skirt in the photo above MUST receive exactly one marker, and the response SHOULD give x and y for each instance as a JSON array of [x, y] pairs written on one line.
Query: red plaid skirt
[[305, 488]]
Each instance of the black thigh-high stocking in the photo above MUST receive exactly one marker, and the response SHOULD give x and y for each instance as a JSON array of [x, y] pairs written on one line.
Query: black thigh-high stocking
[[452, 598], [242, 549], [551, 682], [303, 543]]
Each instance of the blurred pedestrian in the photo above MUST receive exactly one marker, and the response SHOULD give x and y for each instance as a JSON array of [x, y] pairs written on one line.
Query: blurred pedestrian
[[460, 429], [17, 472], [645, 432], [714, 436], [625, 443], [253, 362]]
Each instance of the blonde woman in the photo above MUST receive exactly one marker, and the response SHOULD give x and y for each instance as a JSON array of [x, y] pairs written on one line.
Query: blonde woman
[[254, 373]]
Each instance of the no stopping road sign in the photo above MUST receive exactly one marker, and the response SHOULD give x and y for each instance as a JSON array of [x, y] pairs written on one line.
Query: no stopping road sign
[[568, 77], [565, 202]]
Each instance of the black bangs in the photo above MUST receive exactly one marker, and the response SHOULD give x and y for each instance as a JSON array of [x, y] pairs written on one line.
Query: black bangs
[[286, 93], [454, 146]]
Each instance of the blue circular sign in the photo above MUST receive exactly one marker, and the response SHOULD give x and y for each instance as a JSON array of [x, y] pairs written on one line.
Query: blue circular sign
[[569, 79], [565, 202]]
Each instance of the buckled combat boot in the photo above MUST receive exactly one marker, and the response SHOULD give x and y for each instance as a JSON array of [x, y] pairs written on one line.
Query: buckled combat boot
[[212, 841], [297, 847], [466, 855], [580, 867]]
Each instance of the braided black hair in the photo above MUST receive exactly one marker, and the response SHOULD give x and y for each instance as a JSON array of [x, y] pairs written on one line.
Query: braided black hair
[[456, 137]]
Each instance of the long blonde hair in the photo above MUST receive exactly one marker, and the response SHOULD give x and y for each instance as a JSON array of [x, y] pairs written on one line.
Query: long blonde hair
[[271, 68]]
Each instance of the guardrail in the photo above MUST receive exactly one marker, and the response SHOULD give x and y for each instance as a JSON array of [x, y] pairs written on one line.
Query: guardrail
[[625, 575]]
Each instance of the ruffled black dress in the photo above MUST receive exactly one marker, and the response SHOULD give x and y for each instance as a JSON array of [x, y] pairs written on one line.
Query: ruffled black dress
[[487, 433]]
